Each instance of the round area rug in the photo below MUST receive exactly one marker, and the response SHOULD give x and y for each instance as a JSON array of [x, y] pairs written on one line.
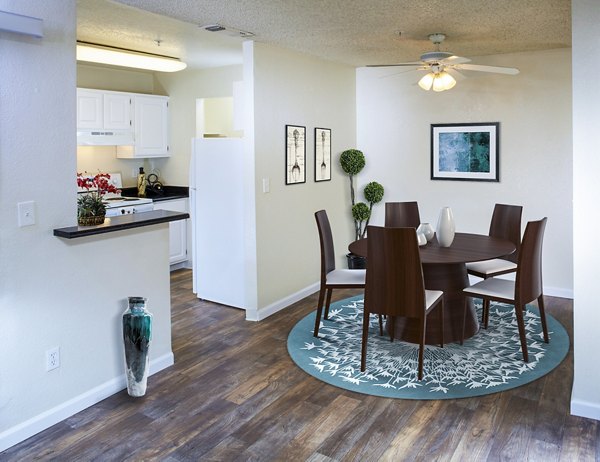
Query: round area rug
[[489, 362]]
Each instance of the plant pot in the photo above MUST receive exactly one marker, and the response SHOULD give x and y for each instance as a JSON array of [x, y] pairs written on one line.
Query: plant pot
[[91, 220], [356, 261]]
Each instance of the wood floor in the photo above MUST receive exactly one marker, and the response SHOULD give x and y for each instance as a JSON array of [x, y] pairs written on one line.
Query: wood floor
[[234, 394]]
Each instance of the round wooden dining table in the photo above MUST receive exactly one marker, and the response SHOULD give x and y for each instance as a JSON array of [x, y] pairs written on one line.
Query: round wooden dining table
[[444, 269]]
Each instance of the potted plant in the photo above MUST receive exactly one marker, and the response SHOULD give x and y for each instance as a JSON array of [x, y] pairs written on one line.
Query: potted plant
[[90, 208], [352, 162]]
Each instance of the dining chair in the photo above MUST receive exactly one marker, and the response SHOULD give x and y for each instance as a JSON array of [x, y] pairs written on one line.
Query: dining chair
[[526, 287], [402, 214], [395, 286], [332, 278], [505, 224]]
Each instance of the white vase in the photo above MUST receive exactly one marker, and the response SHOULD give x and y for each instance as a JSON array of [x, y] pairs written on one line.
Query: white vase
[[445, 227], [427, 230], [421, 239]]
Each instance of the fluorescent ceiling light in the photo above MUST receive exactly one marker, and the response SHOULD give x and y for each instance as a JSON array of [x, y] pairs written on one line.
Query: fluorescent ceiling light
[[127, 58]]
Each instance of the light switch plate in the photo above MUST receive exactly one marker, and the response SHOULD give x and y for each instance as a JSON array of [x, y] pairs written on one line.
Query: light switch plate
[[266, 186], [26, 213]]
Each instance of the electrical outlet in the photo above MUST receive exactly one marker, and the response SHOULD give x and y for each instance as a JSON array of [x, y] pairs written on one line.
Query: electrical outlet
[[52, 359]]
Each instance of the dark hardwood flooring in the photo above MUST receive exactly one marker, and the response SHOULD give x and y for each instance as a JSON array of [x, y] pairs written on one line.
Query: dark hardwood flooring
[[234, 394]]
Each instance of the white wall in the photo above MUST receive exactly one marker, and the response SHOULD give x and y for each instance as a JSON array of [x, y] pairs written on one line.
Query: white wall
[[55, 292], [291, 88], [534, 111], [183, 89], [585, 400]]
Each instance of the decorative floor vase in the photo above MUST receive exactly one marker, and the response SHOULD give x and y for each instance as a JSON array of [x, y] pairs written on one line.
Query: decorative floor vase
[[137, 332], [445, 227]]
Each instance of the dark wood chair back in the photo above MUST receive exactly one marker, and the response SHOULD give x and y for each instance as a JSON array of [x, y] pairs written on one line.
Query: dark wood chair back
[[402, 215], [394, 283], [506, 224], [528, 284], [326, 241]]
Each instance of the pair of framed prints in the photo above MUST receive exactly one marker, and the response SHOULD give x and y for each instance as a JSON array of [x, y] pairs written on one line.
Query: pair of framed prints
[[295, 154]]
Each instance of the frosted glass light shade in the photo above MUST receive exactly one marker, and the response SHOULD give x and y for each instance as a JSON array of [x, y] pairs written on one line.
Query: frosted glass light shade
[[426, 81], [443, 81], [125, 58]]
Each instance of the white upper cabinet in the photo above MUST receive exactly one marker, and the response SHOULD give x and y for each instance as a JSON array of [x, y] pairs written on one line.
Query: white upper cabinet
[[117, 111], [151, 124], [103, 110], [140, 122]]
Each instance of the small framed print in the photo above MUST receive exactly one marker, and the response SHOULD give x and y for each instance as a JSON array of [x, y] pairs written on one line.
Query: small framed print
[[322, 154], [295, 154], [466, 151]]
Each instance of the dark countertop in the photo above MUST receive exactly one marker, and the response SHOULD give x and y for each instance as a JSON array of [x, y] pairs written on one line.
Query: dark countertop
[[167, 193], [134, 220]]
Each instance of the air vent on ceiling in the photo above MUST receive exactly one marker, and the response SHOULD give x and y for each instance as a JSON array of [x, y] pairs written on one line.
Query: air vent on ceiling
[[231, 31]]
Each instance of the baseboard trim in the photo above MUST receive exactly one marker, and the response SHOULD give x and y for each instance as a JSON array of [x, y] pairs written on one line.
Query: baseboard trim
[[46, 419], [559, 292], [262, 313], [585, 409]]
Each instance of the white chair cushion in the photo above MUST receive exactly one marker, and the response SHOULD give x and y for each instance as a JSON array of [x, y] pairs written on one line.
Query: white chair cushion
[[346, 277], [493, 266], [432, 296], [493, 287]]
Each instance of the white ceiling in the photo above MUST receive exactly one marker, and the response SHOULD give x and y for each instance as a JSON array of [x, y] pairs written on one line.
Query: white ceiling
[[355, 32]]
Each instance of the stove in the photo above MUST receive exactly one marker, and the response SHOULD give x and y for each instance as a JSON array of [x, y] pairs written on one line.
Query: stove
[[117, 205]]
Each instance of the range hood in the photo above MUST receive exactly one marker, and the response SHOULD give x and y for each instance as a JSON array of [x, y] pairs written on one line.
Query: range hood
[[105, 138]]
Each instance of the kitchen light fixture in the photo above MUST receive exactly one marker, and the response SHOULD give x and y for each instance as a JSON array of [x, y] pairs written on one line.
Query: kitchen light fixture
[[440, 81], [102, 54]]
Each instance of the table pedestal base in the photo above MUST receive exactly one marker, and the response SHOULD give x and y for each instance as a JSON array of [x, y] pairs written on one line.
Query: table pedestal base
[[451, 279]]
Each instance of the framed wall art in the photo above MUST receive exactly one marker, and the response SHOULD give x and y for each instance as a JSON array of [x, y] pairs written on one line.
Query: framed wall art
[[466, 151], [295, 154], [322, 154]]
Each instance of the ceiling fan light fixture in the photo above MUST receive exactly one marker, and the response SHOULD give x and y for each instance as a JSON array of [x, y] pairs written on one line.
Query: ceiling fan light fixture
[[127, 58], [427, 81], [443, 81]]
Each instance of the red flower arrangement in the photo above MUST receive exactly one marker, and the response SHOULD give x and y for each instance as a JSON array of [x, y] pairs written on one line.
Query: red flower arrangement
[[99, 182], [90, 208]]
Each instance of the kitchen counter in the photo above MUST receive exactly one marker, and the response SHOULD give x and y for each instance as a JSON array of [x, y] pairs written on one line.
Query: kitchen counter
[[134, 220], [167, 193]]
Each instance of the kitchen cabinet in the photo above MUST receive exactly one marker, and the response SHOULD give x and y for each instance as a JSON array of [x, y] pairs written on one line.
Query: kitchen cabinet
[[151, 128], [102, 110], [177, 230]]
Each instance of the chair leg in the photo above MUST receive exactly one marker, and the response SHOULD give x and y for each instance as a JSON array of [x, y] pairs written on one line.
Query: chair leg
[[521, 324], [543, 316], [392, 327], [363, 349], [422, 347], [319, 311], [327, 303], [381, 325], [441, 310], [486, 313], [462, 336]]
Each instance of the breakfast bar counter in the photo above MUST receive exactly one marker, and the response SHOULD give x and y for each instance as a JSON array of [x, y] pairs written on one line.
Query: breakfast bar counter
[[129, 221]]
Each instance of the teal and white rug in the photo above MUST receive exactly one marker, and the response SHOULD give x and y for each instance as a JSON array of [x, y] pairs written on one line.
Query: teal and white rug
[[489, 362]]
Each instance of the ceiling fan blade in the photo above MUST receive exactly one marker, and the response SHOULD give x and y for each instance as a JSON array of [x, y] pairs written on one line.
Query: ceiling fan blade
[[418, 63], [454, 73], [494, 69], [455, 60]]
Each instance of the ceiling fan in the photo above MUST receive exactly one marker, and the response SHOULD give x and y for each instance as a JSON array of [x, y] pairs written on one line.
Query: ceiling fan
[[443, 67]]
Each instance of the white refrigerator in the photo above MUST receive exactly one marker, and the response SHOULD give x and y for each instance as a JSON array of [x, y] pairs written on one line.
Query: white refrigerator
[[217, 216]]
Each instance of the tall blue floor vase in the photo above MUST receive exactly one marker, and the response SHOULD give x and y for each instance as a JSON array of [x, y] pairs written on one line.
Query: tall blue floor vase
[[137, 333]]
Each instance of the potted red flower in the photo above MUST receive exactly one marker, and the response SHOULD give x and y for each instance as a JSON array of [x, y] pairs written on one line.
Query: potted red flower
[[90, 208]]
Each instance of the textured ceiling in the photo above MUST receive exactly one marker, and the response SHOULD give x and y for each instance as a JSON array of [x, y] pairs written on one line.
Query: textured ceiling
[[356, 32]]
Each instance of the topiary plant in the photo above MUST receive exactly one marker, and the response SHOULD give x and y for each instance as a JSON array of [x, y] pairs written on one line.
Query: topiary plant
[[352, 162]]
